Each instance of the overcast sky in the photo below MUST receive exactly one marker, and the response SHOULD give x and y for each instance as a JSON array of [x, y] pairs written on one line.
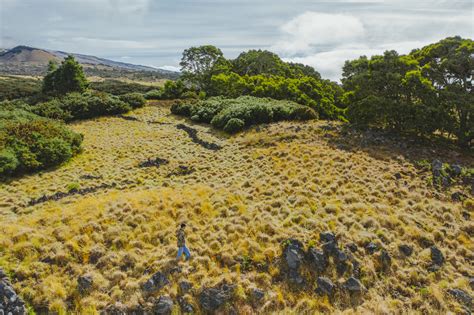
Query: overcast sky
[[322, 34]]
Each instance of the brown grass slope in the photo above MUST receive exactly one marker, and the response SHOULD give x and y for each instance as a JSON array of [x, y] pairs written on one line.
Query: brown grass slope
[[264, 186]]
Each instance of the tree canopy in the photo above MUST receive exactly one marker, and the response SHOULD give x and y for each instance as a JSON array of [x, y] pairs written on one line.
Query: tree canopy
[[68, 77]]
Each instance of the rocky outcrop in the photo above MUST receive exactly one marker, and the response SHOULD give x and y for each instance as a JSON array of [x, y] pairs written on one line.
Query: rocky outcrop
[[163, 306], [437, 259], [462, 297], [10, 302], [211, 299], [153, 162], [155, 283], [194, 137], [84, 284], [293, 258]]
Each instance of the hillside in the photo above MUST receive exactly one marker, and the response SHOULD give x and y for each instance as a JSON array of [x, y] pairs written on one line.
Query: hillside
[[24, 60], [90, 235]]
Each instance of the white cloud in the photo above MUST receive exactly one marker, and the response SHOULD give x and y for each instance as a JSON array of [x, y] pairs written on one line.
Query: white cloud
[[169, 68], [312, 29]]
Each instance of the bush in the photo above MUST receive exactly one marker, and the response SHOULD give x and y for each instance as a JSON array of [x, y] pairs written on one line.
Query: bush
[[29, 142], [87, 105], [234, 125], [155, 94], [135, 100], [17, 87], [233, 115]]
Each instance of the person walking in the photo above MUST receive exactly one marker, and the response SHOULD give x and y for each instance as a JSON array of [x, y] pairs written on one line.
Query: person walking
[[181, 236]]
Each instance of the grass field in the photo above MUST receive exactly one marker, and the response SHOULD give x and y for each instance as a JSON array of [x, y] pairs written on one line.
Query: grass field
[[265, 185]]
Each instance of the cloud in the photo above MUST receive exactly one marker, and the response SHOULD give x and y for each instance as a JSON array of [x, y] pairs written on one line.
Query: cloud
[[170, 68], [312, 29]]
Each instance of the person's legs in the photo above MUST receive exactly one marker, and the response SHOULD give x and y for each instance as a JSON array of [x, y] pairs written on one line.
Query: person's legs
[[180, 252], [186, 253]]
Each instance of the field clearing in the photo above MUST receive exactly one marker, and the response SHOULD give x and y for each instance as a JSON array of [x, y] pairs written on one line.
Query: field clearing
[[268, 184]]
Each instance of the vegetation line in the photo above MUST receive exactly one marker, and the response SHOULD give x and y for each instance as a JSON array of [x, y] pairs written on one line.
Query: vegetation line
[[193, 135]]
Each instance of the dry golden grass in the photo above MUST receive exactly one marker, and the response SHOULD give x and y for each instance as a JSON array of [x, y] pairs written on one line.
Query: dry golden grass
[[264, 186]]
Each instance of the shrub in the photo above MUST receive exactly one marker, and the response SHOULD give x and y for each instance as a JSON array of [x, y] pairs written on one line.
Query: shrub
[[17, 87], [234, 125], [233, 115], [117, 87], [135, 100], [29, 142], [68, 77], [87, 105], [155, 94]]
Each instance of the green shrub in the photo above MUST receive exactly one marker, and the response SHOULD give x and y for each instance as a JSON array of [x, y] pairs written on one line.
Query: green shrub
[[29, 142], [75, 106], [233, 115], [18, 87], [135, 100], [234, 125], [155, 94]]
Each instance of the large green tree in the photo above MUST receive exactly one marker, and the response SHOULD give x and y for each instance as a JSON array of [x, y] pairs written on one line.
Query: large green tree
[[198, 65], [68, 77], [449, 64]]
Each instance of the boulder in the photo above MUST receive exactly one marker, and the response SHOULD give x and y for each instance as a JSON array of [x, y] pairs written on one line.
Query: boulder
[[437, 258], [354, 286], [257, 294], [185, 306], [212, 299], [185, 286], [325, 237], [456, 170], [355, 269], [385, 260], [405, 250], [164, 305], [293, 258], [462, 297], [84, 284], [325, 286], [371, 248], [317, 260], [341, 260], [155, 283], [330, 248], [10, 302], [352, 247]]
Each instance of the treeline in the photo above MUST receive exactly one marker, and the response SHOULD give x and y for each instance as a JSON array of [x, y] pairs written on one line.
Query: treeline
[[424, 93]]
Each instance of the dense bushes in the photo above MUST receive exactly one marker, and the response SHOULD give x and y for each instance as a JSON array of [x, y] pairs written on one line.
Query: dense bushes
[[16, 87], [426, 92], [233, 115], [29, 142], [75, 106]]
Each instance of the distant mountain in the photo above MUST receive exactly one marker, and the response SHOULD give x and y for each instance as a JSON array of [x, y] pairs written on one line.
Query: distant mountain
[[33, 61]]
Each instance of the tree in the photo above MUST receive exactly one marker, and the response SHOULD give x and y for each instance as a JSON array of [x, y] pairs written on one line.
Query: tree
[[449, 64], [197, 65], [68, 77]]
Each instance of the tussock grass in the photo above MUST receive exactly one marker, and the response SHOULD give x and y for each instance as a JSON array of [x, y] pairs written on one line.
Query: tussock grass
[[240, 204]]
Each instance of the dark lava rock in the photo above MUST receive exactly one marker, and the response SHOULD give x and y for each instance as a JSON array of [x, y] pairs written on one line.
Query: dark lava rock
[[84, 283], [192, 133], [155, 283], [213, 298], [456, 170], [325, 286], [293, 256], [385, 260], [185, 286], [10, 302], [185, 306], [153, 163], [317, 260], [257, 294], [327, 237], [371, 248], [355, 269], [397, 176], [164, 305], [462, 296], [437, 258], [341, 260], [405, 250], [354, 286], [352, 247]]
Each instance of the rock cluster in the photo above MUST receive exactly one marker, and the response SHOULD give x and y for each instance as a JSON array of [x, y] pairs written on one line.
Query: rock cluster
[[193, 135], [10, 302], [212, 299], [317, 261]]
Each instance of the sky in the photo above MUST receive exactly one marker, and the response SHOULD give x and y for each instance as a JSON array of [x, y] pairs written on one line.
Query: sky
[[322, 34]]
